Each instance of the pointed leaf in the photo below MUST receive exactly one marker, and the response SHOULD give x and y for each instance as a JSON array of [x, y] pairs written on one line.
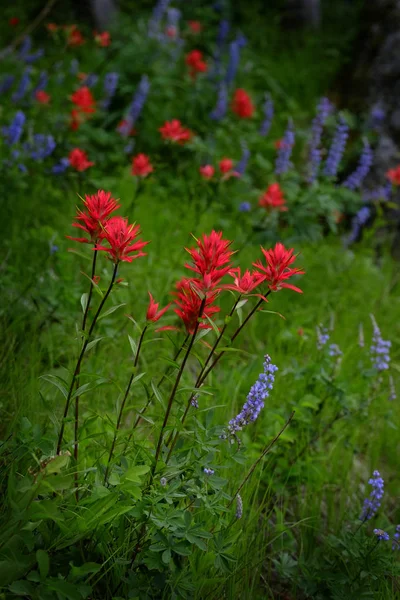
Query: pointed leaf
[[111, 310]]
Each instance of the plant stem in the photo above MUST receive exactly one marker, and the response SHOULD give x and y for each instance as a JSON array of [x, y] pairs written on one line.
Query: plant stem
[[78, 364], [175, 387], [121, 410], [138, 188], [263, 453]]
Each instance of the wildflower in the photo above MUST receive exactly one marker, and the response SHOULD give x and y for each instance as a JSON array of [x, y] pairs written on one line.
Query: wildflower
[[337, 148], [14, 131], [195, 401], [188, 304], [6, 83], [90, 80], [109, 86], [245, 207], [394, 175], [175, 132], [255, 399], [195, 62], [75, 37], [121, 236], [396, 539], [246, 283], [323, 110], [22, 86], [277, 269], [380, 349], [211, 258], [173, 17], [61, 166], [123, 126], [357, 223], [13, 22], [40, 147], [78, 160], [158, 12], [208, 471], [31, 58], [381, 535], [84, 100], [234, 59], [242, 105], [239, 507], [25, 47], [76, 119], [335, 351], [102, 39], [136, 106], [268, 110], [221, 106], [372, 504], [241, 166], [195, 27], [42, 97], [141, 165], [163, 481], [322, 337], [357, 177], [207, 171], [153, 314], [225, 165], [92, 220], [42, 83], [283, 163], [273, 198]]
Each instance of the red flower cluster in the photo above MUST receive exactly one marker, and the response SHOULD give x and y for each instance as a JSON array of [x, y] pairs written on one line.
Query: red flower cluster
[[75, 37], [78, 160], [93, 220], [277, 269], [195, 62], [195, 26], [14, 21], [246, 283], [207, 171], [42, 97], [273, 198], [121, 237], [175, 132], [141, 165], [102, 39], [85, 103], [394, 175], [242, 104], [225, 167], [153, 314]]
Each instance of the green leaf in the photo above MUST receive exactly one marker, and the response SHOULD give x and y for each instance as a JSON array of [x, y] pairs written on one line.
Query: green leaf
[[85, 569], [22, 588], [110, 310], [157, 393], [133, 345], [69, 590], [57, 382], [43, 563], [88, 387], [134, 473], [93, 343], [84, 301]]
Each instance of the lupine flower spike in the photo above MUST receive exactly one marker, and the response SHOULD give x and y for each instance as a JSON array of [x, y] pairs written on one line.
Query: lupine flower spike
[[283, 163], [380, 349], [373, 502]]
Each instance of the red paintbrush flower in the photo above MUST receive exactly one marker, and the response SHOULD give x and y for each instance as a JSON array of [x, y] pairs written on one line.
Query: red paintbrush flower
[[84, 100], [394, 175], [75, 38], [273, 198], [277, 270], [211, 259], [173, 131], [195, 26], [141, 165], [14, 21], [93, 218], [242, 105], [246, 283], [103, 39], [171, 31], [226, 165], [195, 62], [42, 97], [153, 314], [76, 119], [207, 172], [188, 300], [78, 160], [121, 236]]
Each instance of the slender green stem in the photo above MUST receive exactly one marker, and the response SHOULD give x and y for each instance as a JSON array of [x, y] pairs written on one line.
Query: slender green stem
[[78, 364], [121, 410], [136, 193], [175, 387]]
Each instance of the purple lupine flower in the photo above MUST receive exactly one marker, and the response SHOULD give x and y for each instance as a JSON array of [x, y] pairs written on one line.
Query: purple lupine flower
[[268, 110], [376, 117], [90, 80], [25, 47], [396, 539], [173, 17], [223, 31], [61, 167], [6, 83], [14, 131], [221, 106], [357, 177], [373, 502], [74, 66], [42, 82], [245, 207], [255, 399], [382, 192], [136, 106], [40, 147], [233, 64], [323, 110], [110, 84], [23, 86], [337, 148], [129, 147], [195, 401], [334, 351], [158, 13], [380, 349], [242, 164], [322, 337], [239, 507], [283, 163], [31, 58], [392, 389], [357, 223], [381, 535], [208, 471]]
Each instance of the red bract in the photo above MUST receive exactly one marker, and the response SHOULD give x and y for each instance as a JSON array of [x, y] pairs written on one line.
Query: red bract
[[75, 38], [226, 165], [207, 172], [103, 39], [173, 131], [195, 26], [242, 105], [188, 301], [277, 271], [141, 165], [153, 314], [195, 62], [394, 175], [273, 198], [42, 97], [121, 236], [171, 31], [211, 259], [78, 160], [14, 21], [84, 100], [246, 283], [93, 219]]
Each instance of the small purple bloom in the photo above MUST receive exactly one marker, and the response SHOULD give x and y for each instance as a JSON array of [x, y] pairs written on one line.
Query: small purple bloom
[[14, 131], [335, 351], [221, 106], [6, 83], [61, 167], [90, 80], [373, 502], [283, 163], [323, 110], [357, 223], [25, 47], [356, 178], [31, 58], [241, 166], [380, 349], [42, 83], [268, 110], [337, 148], [110, 84], [136, 106], [396, 539], [245, 207], [23, 86], [208, 471], [74, 66], [322, 337], [40, 147], [381, 535]]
